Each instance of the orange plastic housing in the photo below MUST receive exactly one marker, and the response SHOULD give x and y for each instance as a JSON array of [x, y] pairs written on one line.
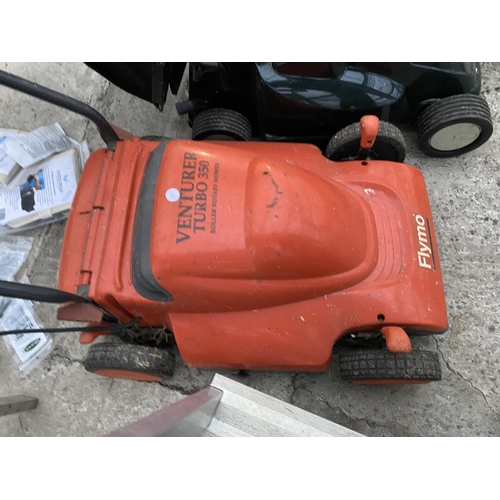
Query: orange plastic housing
[[255, 255]]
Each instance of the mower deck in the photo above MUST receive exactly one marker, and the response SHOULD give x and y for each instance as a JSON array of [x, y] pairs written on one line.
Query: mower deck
[[255, 255]]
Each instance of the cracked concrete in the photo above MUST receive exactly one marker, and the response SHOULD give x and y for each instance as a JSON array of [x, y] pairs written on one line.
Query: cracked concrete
[[464, 194], [456, 372]]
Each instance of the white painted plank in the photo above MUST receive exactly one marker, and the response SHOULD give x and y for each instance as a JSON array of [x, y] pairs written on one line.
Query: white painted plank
[[258, 414]]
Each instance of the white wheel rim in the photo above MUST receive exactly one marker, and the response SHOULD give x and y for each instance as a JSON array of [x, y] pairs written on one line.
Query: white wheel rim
[[454, 137]]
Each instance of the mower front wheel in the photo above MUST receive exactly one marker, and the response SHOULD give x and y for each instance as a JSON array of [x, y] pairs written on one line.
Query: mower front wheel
[[130, 361], [454, 125], [220, 124], [389, 144], [384, 367]]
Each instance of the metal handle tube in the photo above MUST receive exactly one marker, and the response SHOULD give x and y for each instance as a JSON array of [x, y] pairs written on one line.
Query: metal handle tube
[[106, 131]]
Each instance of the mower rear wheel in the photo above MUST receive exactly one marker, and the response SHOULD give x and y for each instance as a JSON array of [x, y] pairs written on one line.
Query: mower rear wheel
[[129, 361], [454, 125], [220, 124], [389, 144], [384, 367]]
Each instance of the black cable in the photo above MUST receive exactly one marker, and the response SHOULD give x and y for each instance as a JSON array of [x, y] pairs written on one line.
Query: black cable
[[102, 328]]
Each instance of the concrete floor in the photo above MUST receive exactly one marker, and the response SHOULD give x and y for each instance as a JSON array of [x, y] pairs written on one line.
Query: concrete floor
[[464, 194]]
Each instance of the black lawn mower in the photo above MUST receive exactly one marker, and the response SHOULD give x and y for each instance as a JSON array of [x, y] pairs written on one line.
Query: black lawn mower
[[311, 102]]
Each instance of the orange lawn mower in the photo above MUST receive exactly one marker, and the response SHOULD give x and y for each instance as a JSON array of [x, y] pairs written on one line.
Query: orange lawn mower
[[246, 256]]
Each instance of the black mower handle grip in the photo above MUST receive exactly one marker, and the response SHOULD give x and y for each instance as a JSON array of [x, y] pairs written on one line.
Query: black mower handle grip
[[38, 293], [106, 131]]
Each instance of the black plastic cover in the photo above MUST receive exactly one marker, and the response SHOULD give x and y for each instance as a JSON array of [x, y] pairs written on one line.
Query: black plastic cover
[[146, 80]]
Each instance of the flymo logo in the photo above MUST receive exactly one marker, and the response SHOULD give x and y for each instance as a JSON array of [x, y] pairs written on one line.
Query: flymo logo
[[32, 345], [425, 251]]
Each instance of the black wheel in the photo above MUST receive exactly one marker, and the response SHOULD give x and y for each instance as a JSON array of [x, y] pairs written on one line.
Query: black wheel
[[389, 144], [221, 124], [454, 125], [384, 367], [129, 361]]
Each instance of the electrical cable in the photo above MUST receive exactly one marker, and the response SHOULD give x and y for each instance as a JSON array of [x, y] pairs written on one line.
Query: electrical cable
[[102, 328]]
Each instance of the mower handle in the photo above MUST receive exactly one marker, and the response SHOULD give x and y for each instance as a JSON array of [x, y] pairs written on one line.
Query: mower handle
[[106, 131], [38, 293]]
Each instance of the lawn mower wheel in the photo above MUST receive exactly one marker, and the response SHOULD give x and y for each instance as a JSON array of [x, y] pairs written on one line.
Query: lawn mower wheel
[[219, 124], [130, 361], [389, 144], [381, 366], [454, 125]]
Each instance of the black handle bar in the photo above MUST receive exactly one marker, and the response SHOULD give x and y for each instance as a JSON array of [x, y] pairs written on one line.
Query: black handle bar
[[106, 131]]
